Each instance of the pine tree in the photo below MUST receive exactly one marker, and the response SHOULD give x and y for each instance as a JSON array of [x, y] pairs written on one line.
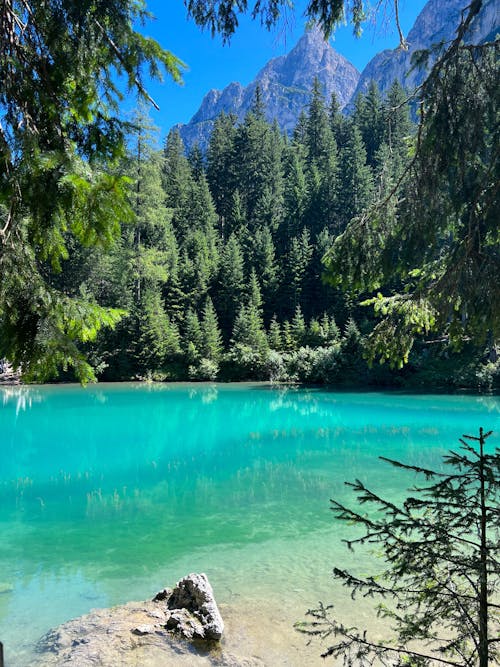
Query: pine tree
[[263, 261], [274, 335], [159, 338], [322, 163], [397, 126], [369, 119], [288, 341], [236, 220], [257, 169], [211, 339], [254, 293], [193, 337], [356, 177], [296, 264], [196, 161], [249, 330], [337, 121], [61, 138], [176, 170], [230, 284], [295, 195], [220, 176], [314, 334], [318, 136], [298, 328], [442, 573], [438, 242], [153, 239]]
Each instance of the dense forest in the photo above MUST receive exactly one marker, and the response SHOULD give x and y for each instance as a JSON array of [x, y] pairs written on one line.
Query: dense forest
[[221, 275]]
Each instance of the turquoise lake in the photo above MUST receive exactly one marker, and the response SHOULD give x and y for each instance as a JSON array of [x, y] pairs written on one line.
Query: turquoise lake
[[111, 492]]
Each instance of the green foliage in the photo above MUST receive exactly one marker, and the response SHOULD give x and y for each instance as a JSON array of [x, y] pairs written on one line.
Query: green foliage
[[159, 338], [211, 339], [222, 16], [441, 578], [298, 328], [431, 244], [60, 140], [205, 369], [274, 336], [317, 366], [193, 337]]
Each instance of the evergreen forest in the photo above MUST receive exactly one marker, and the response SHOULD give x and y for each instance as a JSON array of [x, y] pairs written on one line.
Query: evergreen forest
[[220, 273]]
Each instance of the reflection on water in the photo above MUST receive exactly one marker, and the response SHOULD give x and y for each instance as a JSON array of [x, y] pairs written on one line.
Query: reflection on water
[[21, 396], [111, 492]]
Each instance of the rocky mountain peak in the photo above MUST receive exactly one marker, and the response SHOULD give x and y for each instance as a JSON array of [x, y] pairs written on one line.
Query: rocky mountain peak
[[436, 23], [285, 83]]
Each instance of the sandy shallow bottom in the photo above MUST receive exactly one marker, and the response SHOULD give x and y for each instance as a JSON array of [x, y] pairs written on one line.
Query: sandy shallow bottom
[[249, 641], [262, 591]]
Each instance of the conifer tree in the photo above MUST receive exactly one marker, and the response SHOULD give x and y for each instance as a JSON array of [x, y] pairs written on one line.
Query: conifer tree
[[300, 130], [298, 328], [318, 134], [176, 170], [288, 341], [337, 121], [220, 176], [296, 264], [274, 335], [196, 161], [356, 184], [439, 588], [252, 160], [230, 284], [199, 265], [159, 338], [295, 195], [254, 293], [313, 337], [249, 330], [211, 339], [61, 140], [369, 119], [153, 238], [236, 220], [441, 245], [263, 262], [397, 126], [193, 337]]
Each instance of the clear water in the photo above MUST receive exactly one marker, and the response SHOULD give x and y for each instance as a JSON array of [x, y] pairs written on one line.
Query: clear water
[[112, 492]]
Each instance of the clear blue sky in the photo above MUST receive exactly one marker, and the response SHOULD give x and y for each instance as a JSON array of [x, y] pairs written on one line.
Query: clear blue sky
[[214, 65]]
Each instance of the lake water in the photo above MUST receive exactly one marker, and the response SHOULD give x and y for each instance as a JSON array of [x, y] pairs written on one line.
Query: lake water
[[112, 492]]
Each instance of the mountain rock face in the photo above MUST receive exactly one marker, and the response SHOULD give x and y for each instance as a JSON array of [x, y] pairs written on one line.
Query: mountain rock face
[[437, 22], [286, 81], [285, 84]]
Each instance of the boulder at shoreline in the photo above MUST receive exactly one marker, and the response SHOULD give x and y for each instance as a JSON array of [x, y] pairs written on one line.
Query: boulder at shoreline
[[174, 627]]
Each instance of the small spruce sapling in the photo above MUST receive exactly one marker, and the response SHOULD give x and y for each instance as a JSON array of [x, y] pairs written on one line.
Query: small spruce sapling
[[440, 588]]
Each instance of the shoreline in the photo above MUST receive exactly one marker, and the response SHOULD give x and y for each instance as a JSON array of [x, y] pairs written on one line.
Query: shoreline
[[245, 384], [106, 638]]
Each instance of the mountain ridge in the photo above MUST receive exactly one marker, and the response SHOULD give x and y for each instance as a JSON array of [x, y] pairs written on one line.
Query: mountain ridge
[[285, 83], [395, 64]]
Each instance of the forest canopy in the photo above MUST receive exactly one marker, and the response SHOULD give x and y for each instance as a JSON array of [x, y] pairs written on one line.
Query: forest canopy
[[412, 219]]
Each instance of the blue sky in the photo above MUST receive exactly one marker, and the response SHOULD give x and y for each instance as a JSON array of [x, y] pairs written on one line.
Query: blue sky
[[214, 65]]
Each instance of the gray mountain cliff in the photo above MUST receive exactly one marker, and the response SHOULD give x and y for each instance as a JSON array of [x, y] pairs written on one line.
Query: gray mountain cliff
[[437, 22], [285, 83]]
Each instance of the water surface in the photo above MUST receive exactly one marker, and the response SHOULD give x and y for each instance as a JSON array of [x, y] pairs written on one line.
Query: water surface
[[112, 492]]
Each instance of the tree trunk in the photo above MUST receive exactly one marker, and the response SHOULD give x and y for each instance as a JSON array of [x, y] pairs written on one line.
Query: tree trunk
[[483, 570]]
